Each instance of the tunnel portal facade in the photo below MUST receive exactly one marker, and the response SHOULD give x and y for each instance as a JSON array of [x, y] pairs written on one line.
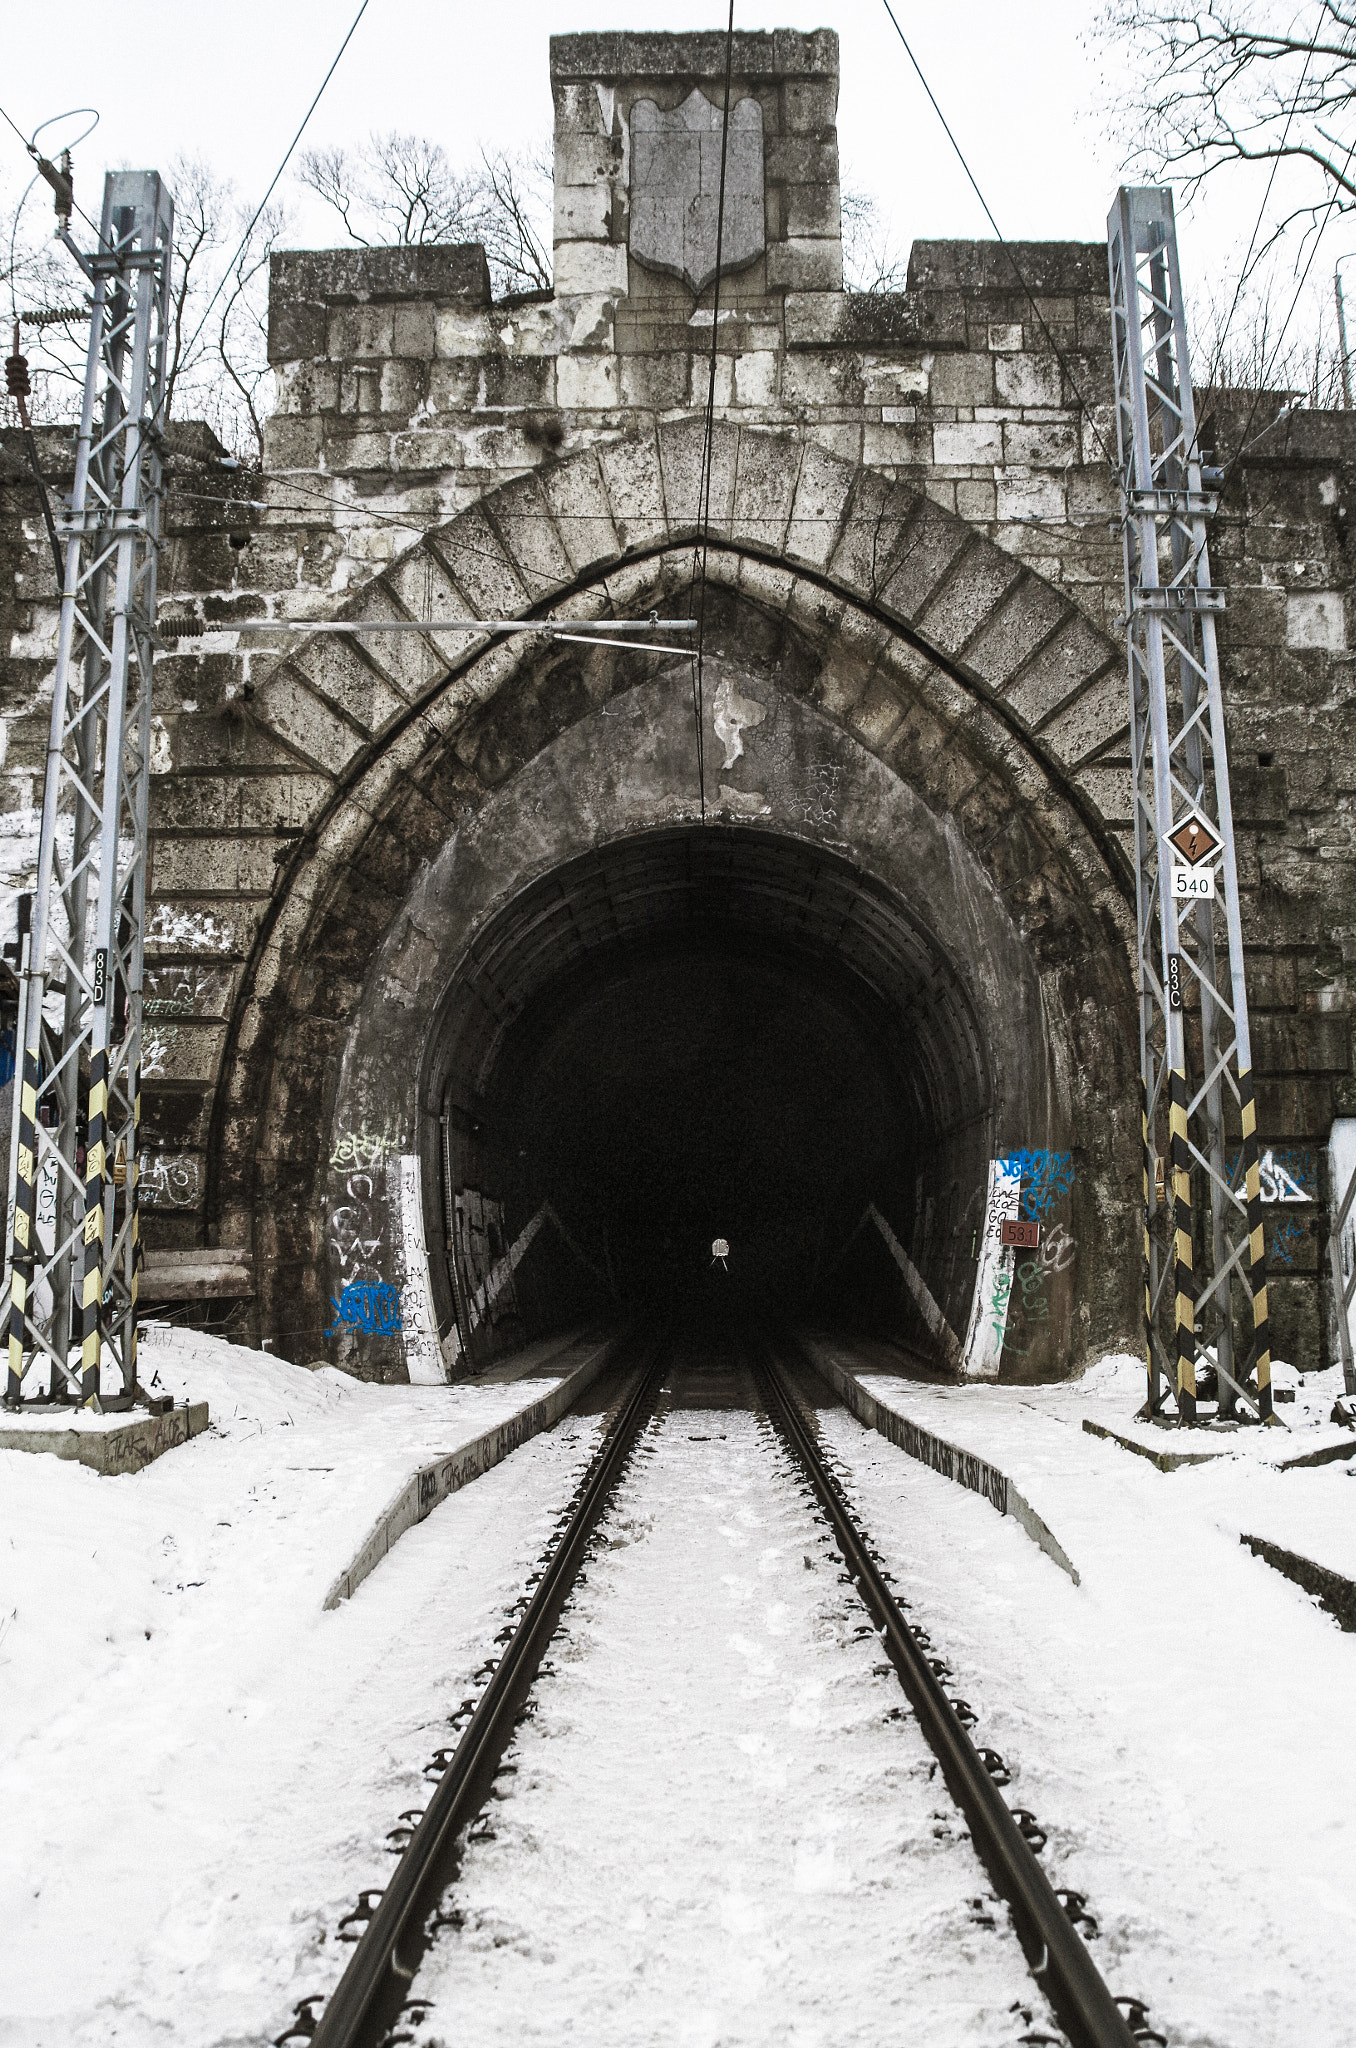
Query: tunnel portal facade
[[470, 1008]]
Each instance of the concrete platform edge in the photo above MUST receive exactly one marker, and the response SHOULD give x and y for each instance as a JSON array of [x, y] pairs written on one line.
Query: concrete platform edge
[[962, 1467], [433, 1482], [112, 1452], [1332, 1591]]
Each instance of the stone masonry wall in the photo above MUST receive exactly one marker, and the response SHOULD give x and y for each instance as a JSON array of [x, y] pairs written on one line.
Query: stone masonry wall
[[405, 396]]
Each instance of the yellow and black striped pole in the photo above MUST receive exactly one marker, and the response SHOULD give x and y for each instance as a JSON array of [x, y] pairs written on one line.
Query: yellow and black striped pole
[[1148, 1258], [133, 1199], [1257, 1250], [25, 1223], [92, 1276], [1182, 1248]]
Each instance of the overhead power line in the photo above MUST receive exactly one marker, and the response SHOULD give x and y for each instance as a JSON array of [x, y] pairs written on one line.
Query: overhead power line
[[1006, 246], [708, 441], [287, 157]]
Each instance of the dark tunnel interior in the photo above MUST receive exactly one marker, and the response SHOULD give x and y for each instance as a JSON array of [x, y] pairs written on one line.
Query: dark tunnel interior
[[690, 1037]]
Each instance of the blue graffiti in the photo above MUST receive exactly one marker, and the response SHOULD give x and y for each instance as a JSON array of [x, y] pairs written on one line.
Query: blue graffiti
[[1046, 1177], [1287, 1235], [372, 1308]]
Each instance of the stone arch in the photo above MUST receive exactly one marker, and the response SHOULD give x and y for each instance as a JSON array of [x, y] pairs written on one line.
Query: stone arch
[[976, 684]]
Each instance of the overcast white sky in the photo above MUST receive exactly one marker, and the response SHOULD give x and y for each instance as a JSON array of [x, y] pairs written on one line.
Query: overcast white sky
[[1017, 81]]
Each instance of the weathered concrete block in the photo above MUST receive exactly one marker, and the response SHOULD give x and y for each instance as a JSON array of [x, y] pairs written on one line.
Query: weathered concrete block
[[654, 383], [293, 443], [823, 490], [1030, 497], [971, 593], [755, 378], [813, 210], [810, 107], [1027, 380], [582, 513], [968, 443], [589, 383], [415, 331], [475, 558], [108, 1444], [681, 446], [635, 490], [586, 267], [288, 707], [1047, 446], [522, 516], [1097, 716], [813, 319], [966, 380], [765, 486], [933, 542], [583, 213], [802, 265], [1029, 616]]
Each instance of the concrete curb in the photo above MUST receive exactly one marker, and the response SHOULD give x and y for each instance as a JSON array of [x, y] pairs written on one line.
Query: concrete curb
[[1166, 1461], [125, 1448], [963, 1467], [1330, 1589], [431, 1483]]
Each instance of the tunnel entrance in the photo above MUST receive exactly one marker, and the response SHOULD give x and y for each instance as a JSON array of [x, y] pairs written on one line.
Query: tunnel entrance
[[700, 1034]]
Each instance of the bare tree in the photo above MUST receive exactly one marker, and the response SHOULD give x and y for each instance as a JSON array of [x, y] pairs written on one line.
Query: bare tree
[[872, 261], [513, 218], [404, 189], [217, 363], [1238, 82], [218, 358], [1197, 93], [396, 188], [40, 281]]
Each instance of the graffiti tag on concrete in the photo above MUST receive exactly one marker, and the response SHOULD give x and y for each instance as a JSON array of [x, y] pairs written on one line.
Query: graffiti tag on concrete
[[170, 1180], [363, 1148], [1046, 1178], [373, 1308]]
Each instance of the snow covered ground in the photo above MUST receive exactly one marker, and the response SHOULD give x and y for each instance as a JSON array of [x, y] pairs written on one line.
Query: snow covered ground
[[716, 1833], [201, 1766], [713, 1835], [1182, 1721]]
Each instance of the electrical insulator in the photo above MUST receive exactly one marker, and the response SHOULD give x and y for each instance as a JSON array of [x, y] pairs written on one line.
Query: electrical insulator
[[16, 370]]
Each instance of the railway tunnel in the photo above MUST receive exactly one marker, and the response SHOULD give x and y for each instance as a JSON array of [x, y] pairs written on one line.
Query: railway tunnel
[[598, 1030]]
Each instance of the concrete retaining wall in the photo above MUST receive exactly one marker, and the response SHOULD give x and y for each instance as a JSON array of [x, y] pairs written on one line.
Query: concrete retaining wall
[[423, 1490], [961, 1466]]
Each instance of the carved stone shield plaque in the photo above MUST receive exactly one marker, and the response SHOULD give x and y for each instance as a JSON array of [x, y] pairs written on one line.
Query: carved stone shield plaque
[[675, 188]]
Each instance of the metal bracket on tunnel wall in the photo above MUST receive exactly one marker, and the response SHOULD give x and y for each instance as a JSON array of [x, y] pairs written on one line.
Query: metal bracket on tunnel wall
[[919, 1289]]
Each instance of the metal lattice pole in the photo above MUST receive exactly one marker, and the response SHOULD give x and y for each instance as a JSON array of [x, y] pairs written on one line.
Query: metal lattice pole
[[75, 1248], [1203, 1222]]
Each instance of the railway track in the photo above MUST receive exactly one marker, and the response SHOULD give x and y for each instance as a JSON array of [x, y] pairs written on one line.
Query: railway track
[[377, 1999]]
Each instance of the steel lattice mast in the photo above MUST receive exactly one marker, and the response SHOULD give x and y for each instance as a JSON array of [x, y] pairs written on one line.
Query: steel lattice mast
[[1203, 1246], [75, 1230]]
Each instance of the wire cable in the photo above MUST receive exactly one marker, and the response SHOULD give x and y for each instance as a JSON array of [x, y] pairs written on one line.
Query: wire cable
[[287, 157], [1006, 246], [1245, 444], [708, 442], [1261, 211]]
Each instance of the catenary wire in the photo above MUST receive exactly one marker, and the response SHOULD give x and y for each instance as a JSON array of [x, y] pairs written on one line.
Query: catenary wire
[[1005, 244], [286, 159], [1261, 211], [708, 438], [1245, 444]]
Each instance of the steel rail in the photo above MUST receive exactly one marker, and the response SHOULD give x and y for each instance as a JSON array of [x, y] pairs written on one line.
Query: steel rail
[[1055, 1951], [383, 1963]]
